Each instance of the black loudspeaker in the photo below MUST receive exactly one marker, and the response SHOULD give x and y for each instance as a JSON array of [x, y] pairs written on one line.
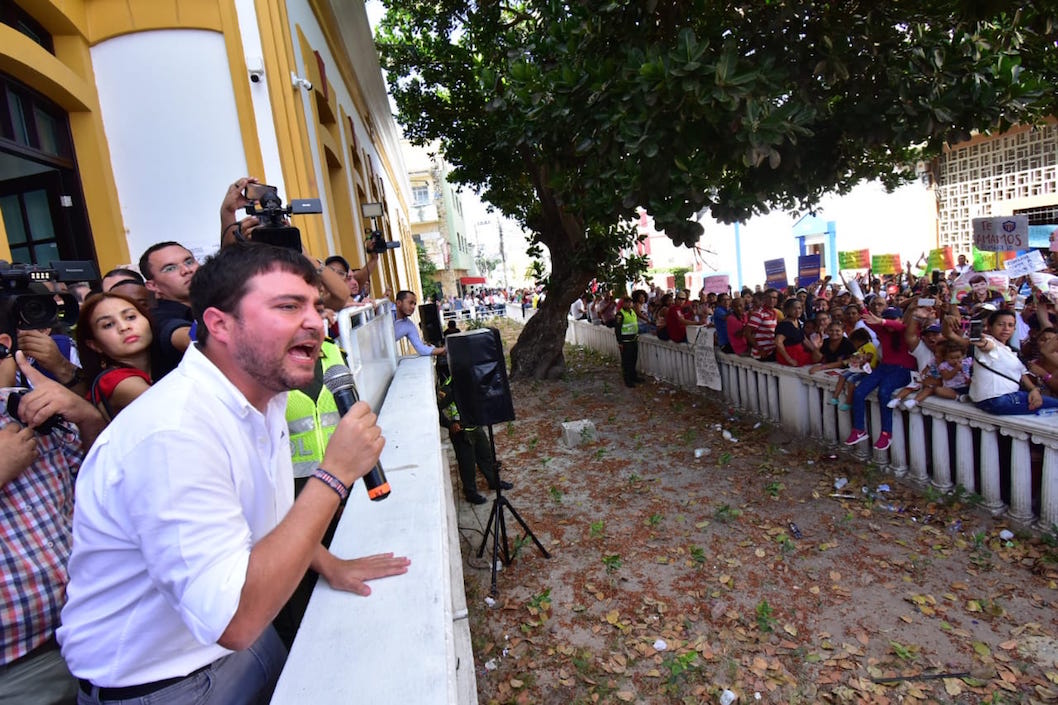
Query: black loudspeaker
[[430, 319], [479, 377]]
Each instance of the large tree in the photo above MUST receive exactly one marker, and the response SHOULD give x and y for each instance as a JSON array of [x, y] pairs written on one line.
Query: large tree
[[567, 115]]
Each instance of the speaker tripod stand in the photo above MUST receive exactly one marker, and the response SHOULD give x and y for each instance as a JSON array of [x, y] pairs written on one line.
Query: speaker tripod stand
[[497, 525]]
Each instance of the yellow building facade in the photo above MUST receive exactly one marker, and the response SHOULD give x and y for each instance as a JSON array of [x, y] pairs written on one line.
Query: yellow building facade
[[124, 122]]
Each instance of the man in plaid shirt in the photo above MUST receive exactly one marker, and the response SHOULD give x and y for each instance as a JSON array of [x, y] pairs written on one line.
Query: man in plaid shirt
[[36, 516]]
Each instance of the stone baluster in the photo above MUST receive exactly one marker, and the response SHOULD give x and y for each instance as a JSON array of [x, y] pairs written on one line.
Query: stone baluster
[[754, 391], [989, 467], [743, 388], [941, 454], [898, 449], [964, 453], [1020, 476], [917, 443], [816, 408], [830, 420], [773, 398], [1049, 483], [865, 449]]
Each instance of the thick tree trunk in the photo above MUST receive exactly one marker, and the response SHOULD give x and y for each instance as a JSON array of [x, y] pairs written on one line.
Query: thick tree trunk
[[538, 352]]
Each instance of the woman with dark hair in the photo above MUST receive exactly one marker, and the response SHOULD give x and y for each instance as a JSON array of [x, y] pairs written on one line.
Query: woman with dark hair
[[1001, 384], [790, 340], [661, 317], [115, 343], [735, 322]]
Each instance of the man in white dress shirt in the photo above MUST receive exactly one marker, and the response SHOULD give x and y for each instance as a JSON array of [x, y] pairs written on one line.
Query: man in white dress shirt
[[187, 537]]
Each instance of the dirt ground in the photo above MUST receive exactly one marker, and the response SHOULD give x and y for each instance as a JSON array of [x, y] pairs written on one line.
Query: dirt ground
[[684, 564]]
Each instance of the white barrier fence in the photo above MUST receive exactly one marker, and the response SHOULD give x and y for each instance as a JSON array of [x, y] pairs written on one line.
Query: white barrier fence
[[1011, 462]]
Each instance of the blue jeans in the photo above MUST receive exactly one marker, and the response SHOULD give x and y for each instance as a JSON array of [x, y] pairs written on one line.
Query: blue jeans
[[1013, 403], [242, 678], [887, 379]]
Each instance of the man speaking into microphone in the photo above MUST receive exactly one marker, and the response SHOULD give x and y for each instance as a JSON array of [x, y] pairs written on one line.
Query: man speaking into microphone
[[187, 536]]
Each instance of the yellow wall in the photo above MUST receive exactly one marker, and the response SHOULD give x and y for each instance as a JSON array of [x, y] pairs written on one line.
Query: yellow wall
[[67, 78]]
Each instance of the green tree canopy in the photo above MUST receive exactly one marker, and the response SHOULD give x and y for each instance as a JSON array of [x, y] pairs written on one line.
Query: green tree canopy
[[569, 115]]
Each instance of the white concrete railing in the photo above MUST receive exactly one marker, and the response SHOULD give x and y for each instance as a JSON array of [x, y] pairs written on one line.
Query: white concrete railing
[[366, 334], [1011, 462], [409, 641]]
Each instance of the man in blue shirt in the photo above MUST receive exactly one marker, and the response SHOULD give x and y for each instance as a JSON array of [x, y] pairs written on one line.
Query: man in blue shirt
[[404, 327]]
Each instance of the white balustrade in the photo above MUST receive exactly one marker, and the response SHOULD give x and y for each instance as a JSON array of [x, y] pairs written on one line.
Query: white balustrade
[[797, 401]]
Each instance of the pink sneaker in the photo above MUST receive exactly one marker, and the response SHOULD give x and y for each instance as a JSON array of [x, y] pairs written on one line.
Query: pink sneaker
[[857, 436], [883, 441]]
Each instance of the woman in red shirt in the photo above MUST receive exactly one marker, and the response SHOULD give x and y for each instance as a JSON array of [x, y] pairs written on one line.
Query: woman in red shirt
[[736, 322], [115, 343]]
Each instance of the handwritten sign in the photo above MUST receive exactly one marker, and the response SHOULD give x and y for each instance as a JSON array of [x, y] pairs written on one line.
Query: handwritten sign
[[1027, 263], [775, 273], [886, 264], [854, 259], [1009, 232], [940, 258], [808, 267], [707, 371], [716, 284]]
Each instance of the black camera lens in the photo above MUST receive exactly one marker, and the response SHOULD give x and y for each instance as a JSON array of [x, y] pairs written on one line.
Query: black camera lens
[[36, 311]]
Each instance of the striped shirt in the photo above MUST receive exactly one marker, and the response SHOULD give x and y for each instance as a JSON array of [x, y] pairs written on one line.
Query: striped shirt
[[36, 520], [763, 322]]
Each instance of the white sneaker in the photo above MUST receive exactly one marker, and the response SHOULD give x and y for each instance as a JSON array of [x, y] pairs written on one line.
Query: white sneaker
[[910, 404], [893, 403]]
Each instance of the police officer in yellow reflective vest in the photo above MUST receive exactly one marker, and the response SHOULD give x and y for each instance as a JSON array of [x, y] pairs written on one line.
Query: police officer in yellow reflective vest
[[626, 326], [470, 444], [311, 418]]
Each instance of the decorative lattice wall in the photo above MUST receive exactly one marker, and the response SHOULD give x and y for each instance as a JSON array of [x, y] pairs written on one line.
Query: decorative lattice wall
[[973, 179]]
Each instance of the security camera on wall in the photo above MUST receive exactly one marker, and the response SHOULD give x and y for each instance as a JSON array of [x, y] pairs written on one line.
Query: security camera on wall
[[255, 67]]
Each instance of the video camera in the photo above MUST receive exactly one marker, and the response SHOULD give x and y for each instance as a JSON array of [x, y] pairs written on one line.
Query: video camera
[[274, 228], [26, 306], [377, 244]]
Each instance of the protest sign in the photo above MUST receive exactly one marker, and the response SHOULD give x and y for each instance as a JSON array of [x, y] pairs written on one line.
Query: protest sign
[[886, 264], [1046, 283], [808, 269], [706, 369], [991, 287], [1009, 232], [854, 259], [775, 273], [716, 284], [1032, 261], [940, 258]]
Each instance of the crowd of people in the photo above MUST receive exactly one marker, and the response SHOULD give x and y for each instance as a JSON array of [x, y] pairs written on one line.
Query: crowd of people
[[901, 335], [203, 518]]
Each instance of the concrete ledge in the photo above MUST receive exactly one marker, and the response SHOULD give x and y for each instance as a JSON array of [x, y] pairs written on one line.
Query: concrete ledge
[[400, 644]]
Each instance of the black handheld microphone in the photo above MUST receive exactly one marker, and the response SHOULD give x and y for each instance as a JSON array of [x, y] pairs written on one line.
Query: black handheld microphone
[[339, 380]]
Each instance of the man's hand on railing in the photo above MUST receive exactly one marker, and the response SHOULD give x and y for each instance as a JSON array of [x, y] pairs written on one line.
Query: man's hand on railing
[[352, 574]]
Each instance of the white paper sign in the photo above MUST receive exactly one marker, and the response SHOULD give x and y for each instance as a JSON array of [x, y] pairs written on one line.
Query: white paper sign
[[1026, 264], [1008, 232], [705, 364]]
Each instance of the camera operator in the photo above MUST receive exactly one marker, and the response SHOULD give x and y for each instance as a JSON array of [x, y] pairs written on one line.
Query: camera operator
[[36, 471], [357, 279], [334, 288]]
